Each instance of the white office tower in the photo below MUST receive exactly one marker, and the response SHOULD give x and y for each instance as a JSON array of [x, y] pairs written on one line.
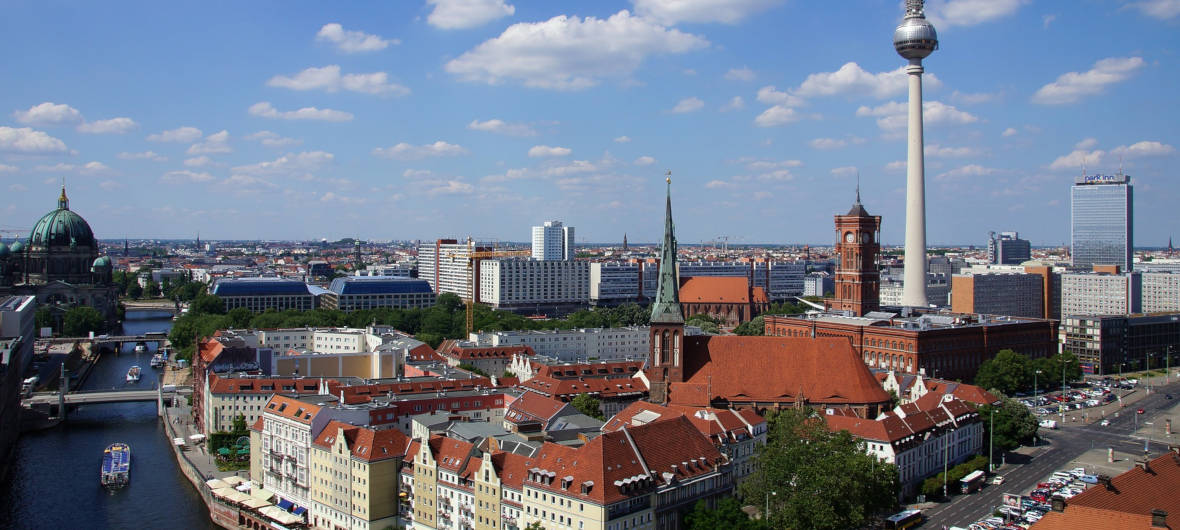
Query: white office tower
[[915, 39], [553, 242]]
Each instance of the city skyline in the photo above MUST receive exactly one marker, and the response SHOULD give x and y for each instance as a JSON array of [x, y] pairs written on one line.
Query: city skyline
[[419, 121]]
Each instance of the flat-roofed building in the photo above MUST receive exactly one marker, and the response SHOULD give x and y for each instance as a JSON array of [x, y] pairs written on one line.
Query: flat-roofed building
[[370, 292], [261, 294], [1107, 344], [1101, 293], [1013, 294]]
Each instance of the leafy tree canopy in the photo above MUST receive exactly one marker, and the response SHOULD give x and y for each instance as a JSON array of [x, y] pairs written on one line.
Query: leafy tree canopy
[[1014, 423], [588, 405], [81, 320], [727, 514]]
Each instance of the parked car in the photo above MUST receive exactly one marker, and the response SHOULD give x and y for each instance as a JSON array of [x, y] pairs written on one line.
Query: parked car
[[997, 480], [1140, 411], [1104, 423]]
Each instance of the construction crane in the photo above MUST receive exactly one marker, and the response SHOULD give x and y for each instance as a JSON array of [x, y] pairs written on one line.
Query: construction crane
[[471, 257]]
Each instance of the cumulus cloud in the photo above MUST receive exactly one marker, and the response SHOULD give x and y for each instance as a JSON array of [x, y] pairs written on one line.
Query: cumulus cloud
[[198, 161], [186, 176], [502, 127], [405, 151], [827, 143], [24, 140], [463, 14], [644, 161], [851, 79], [948, 13], [1071, 87], [763, 165], [777, 115], [214, 143], [541, 151], [146, 155], [896, 165], [740, 74], [448, 187], [5, 168], [1145, 148], [719, 184], [938, 151], [771, 96], [89, 168], [844, 171], [1083, 155], [1009, 132], [969, 98], [352, 41], [291, 165], [736, 103], [569, 52], [686, 105], [329, 79], [180, 134], [960, 173], [48, 113], [1086, 143], [266, 110], [723, 11], [271, 139], [112, 126], [1161, 9], [622, 139], [893, 116]]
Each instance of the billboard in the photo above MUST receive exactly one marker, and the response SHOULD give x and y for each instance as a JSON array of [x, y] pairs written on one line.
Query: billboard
[[1012, 503]]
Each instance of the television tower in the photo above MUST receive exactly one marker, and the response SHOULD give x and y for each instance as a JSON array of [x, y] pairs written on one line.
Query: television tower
[[915, 39]]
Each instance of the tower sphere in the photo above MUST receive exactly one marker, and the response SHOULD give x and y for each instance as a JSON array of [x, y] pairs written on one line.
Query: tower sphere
[[915, 37]]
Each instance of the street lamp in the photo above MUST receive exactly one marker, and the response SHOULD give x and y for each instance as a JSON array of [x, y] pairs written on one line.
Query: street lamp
[[946, 453], [991, 435], [1146, 442], [1036, 403], [768, 494]]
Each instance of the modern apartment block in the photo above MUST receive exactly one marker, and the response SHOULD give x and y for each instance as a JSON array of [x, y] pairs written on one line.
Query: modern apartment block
[[1161, 292], [1013, 294], [1098, 293], [443, 263], [1102, 221], [553, 241], [1008, 249], [619, 282], [613, 283], [602, 344], [938, 290], [528, 284], [1111, 343]]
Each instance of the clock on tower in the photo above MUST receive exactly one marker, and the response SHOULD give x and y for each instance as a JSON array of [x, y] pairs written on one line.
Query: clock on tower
[[858, 281]]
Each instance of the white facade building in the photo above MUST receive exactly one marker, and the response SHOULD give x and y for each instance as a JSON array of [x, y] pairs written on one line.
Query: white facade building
[[443, 263], [519, 283], [1101, 294], [604, 344], [553, 242], [1161, 292]]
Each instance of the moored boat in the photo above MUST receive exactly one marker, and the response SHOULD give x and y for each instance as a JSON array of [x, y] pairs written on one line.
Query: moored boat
[[133, 374], [116, 465], [140, 347], [157, 361]]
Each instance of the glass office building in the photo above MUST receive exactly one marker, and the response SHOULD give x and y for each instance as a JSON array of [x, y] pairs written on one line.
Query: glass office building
[[1101, 221]]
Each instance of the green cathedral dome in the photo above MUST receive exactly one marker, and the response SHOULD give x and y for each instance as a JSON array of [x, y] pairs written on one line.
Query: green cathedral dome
[[62, 227]]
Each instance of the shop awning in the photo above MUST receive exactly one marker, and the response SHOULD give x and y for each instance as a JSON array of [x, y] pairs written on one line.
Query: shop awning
[[285, 504], [216, 483], [233, 480], [299, 510]]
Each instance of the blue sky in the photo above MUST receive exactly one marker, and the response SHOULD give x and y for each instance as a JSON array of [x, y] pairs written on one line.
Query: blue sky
[[443, 118]]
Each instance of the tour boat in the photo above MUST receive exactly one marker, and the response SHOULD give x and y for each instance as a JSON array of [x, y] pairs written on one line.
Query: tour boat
[[116, 465], [157, 360], [140, 347], [133, 374]]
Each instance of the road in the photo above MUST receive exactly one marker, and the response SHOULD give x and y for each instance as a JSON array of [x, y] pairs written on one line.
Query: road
[[82, 398], [1057, 449]]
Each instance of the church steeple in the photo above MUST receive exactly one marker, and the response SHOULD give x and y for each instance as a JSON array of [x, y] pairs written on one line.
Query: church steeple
[[666, 308], [63, 202]]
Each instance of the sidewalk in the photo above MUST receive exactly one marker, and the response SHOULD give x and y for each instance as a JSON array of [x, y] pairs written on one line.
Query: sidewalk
[[181, 419]]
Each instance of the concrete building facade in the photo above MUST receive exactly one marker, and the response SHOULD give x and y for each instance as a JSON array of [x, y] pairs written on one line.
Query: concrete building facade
[[553, 241], [1013, 294]]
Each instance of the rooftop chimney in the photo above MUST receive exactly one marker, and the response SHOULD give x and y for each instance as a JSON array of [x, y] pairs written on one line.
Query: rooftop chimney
[[1159, 519], [1144, 465], [1104, 480], [1058, 503]]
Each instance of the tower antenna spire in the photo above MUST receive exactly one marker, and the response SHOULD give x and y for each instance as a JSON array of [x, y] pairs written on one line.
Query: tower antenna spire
[[858, 186]]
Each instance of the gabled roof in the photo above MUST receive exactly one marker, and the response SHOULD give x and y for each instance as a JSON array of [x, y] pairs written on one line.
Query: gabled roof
[[715, 290], [423, 352], [598, 386], [775, 369], [569, 371], [291, 408], [531, 406], [720, 425], [268, 385], [364, 443], [453, 350], [1127, 503]]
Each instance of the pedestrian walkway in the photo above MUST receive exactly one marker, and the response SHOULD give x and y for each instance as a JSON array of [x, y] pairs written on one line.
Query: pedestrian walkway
[[181, 418]]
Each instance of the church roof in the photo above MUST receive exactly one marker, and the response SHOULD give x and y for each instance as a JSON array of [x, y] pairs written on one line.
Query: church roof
[[719, 289], [666, 308], [774, 369], [62, 227]]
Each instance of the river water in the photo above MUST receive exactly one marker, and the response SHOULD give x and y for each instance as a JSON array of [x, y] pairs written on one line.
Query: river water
[[54, 476]]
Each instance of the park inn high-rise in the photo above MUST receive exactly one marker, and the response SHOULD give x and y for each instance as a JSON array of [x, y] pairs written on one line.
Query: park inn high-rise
[[1101, 221]]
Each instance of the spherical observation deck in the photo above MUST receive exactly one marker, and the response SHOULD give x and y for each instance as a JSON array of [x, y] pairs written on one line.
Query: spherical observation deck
[[915, 38]]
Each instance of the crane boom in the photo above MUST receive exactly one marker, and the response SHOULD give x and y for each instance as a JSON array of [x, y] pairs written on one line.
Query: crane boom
[[471, 257]]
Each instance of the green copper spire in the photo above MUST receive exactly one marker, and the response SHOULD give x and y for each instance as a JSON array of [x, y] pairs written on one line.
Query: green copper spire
[[666, 309]]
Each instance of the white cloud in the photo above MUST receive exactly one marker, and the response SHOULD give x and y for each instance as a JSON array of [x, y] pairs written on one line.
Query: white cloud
[[1009, 132], [622, 139], [301, 165], [329, 79], [827, 143], [719, 184], [938, 151], [405, 151], [109, 185], [1086, 143], [1161, 9], [854, 80], [541, 151], [266, 110], [48, 113], [947, 13], [352, 41], [416, 173], [968, 98], [112, 126], [94, 168], [1144, 148], [896, 165], [450, 187], [723, 11], [89, 168], [644, 161], [146, 155], [770, 96], [502, 127], [1047, 19], [199, 161], [17, 188], [185, 176], [762, 165], [737, 103], [687, 105], [271, 139], [463, 14], [571, 53], [740, 74], [960, 173], [180, 134], [1071, 87], [214, 143], [1078, 158], [777, 115], [29, 141], [844, 171], [893, 116], [5, 168]]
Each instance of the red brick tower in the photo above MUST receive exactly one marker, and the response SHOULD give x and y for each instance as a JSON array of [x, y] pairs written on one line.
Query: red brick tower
[[858, 282]]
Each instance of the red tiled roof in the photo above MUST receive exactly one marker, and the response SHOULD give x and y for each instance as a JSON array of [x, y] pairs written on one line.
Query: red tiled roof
[[423, 352], [715, 289], [365, 444], [775, 369], [453, 350], [209, 350], [717, 424], [1128, 503], [598, 386], [257, 426], [291, 408], [511, 468], [253, 385], [567, 371], [531, 406]]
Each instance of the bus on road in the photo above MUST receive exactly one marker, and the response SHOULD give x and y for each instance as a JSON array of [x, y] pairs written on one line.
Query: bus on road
[[905, 519], [971, 482]]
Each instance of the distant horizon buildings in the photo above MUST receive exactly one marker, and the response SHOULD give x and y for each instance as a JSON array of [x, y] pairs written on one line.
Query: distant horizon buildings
[[1101, 221]]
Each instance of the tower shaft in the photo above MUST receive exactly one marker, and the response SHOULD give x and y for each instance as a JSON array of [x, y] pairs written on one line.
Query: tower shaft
[[914, 284]]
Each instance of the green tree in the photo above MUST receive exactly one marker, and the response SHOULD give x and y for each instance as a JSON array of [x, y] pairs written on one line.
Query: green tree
[[239, 317], [757, 326], [535, 525], [1009, 372], [134, 290], [207, 304], [588, 405], [81, 320], [152, 289], [44, 317], [1051, 370], [728, 514], [471, 368], [1014, 423], [820, 479], [240, 425]]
